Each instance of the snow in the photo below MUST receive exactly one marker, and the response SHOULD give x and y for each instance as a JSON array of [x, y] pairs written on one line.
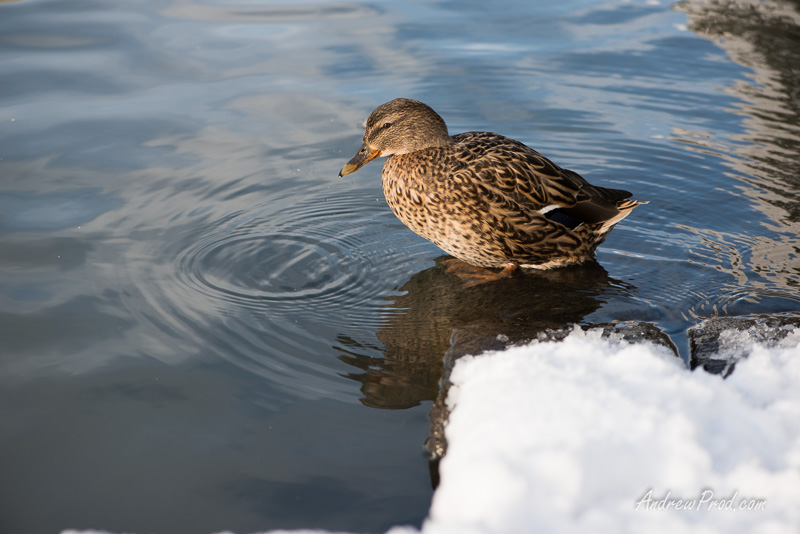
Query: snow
[[570, 436], [597, 435]]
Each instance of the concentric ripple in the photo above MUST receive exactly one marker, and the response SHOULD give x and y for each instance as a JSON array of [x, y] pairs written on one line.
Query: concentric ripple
[[318, 259], [322, 256], [255, 269], [271, 289]]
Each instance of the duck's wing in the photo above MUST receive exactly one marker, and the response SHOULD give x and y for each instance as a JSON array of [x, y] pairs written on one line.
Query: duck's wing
[[505, 169]]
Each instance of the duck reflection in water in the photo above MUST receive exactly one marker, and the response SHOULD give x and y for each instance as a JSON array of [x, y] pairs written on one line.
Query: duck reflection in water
[[436, 307]]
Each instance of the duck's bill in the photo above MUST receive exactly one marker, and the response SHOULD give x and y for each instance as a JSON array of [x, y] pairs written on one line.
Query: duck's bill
[[364, 156]]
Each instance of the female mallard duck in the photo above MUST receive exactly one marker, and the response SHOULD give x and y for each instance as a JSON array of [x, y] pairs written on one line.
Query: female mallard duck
[[486, 199]]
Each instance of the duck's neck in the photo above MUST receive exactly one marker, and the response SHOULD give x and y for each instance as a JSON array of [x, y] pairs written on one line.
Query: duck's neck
[[426, 144]]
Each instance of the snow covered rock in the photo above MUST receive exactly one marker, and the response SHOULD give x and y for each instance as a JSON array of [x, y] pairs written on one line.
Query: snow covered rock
[[719, 342]]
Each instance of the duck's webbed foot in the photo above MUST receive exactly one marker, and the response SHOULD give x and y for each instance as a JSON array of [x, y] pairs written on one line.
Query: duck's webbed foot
[[472, 276]]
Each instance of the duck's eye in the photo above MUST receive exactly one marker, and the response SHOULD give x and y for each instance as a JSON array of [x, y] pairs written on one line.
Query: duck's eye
[[386, 124]]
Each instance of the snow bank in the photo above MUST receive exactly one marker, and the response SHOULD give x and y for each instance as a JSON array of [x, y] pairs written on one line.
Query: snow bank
[[591, 435], [596, 435]]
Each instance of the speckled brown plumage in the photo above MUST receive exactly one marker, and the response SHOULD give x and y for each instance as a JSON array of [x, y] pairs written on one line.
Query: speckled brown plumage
[[486, 199]]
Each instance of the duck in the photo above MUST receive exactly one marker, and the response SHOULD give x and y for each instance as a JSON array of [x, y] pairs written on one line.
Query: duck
[[487, 200]]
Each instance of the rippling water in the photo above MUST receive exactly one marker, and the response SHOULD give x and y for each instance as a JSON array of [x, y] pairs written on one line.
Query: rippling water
[[202, 327]]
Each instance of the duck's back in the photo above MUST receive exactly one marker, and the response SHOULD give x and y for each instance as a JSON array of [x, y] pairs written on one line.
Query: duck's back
[[490, 200]]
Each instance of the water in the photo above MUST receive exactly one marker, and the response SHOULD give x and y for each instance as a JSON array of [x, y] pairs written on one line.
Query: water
[[203, 328]]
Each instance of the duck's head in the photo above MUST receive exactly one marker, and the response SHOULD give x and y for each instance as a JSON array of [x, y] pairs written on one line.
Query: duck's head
[[399, 127]]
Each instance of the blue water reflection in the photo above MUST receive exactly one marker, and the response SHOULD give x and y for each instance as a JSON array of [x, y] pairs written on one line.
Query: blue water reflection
[[25, 211]]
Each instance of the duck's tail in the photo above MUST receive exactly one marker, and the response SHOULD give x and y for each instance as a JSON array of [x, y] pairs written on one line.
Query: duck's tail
[[625, 207]]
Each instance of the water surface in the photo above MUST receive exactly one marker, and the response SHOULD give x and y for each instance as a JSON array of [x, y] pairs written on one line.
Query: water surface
[[203, 328]]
